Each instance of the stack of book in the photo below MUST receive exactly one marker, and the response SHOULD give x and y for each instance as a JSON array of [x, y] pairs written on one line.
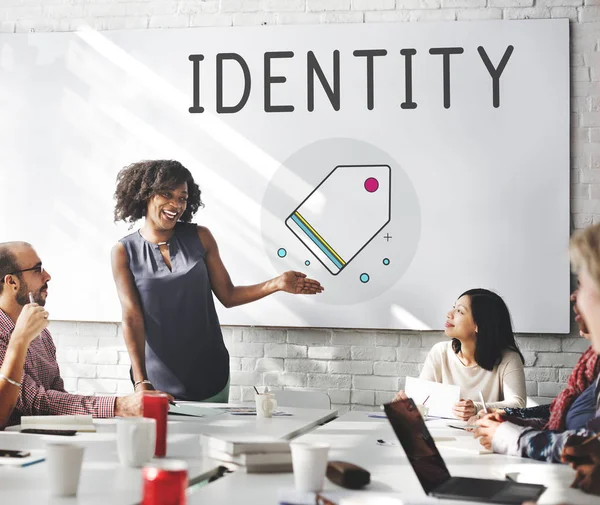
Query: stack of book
[[252, 455]]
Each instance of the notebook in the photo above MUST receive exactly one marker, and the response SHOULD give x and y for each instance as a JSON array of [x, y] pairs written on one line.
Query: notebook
[[264, 462], [253, 459], [82, 423], [193, 410]]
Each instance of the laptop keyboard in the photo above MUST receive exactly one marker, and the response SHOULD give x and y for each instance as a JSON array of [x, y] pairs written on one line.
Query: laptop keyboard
[[467, 487]]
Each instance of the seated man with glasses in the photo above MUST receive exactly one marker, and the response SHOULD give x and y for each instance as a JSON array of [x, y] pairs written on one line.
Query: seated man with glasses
[[34, 377]]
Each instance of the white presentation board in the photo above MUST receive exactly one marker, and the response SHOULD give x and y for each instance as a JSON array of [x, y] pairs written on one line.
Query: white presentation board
[[399, 164]]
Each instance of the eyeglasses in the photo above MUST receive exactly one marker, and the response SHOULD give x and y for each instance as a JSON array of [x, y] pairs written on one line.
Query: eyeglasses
[[37, 269]]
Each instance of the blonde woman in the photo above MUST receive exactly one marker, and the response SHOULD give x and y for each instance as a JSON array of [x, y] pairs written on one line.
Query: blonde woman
[[494, 430]]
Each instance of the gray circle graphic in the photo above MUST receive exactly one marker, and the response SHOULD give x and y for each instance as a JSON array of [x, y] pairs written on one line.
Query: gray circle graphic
[[293, 183]]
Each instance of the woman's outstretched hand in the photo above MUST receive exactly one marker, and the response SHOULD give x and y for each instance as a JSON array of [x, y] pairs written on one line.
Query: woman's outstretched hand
[[298, 284]]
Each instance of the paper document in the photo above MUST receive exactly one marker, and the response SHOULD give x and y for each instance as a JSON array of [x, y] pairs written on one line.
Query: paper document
[[442, 397], [464, 444], [193, 409], [250, 411]]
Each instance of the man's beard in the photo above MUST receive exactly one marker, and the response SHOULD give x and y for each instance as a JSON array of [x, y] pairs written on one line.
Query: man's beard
[[23, 295]]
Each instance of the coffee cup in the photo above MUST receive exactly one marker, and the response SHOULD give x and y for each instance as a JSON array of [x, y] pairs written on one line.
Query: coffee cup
[[265, 404], [136, 440]]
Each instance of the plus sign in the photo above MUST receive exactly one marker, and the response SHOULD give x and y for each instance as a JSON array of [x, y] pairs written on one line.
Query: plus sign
[[387, 237]]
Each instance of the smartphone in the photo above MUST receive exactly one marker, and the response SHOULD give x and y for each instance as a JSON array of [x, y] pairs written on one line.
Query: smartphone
[[65, 433], [7, 453]]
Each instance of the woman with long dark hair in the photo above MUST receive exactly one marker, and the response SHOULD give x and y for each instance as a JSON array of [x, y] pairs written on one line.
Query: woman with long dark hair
[[482, 355]]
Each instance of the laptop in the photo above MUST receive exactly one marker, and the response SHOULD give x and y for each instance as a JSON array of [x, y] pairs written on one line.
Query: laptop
[[432, 472]]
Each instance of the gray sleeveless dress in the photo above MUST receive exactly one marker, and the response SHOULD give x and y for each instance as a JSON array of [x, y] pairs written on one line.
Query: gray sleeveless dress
[[185, 352]]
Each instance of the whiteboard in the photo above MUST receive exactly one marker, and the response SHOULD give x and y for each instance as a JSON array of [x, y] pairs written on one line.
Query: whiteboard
[[399, 179]]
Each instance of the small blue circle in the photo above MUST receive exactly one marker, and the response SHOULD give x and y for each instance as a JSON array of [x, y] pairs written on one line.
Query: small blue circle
[[386, 261], [364, 278], [307, 262], [282, 253]]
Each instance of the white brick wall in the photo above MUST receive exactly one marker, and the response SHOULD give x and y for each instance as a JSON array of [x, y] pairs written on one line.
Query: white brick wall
[[357, 369], [354, 376]]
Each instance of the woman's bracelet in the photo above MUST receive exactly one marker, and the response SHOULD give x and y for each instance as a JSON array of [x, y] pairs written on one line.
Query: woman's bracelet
[[137, 383], [14, 383]]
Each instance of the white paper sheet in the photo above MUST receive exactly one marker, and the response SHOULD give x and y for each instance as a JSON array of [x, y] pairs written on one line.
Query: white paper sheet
[[442, 397]]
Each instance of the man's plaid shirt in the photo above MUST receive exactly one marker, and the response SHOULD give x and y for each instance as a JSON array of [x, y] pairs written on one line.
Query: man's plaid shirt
[[43, 390]]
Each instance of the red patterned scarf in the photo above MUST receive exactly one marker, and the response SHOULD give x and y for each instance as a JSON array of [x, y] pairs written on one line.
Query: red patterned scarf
[[583, 375]]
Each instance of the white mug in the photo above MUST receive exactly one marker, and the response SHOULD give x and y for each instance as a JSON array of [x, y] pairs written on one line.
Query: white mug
[[310, 464], [265, 404], [136, 438], [63, 464]]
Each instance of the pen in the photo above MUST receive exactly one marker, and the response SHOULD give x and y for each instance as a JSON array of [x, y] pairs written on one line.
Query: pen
[[483, 402], [173, 403], [597, 435]]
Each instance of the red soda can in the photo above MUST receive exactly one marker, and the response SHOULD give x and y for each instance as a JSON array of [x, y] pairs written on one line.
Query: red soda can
[[165, 483], [156, 406]]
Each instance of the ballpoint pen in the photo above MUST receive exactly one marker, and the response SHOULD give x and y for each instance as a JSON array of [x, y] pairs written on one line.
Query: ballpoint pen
[[483, 402]]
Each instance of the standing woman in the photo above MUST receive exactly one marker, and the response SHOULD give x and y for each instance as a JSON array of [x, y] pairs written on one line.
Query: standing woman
[[166, 273], [482, 355]]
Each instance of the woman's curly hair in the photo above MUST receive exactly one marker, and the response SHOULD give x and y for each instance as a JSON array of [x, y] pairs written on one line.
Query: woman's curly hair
[[139, 181]]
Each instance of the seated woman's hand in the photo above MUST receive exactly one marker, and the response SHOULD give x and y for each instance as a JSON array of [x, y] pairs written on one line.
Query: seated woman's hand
[[464, 409], [588, 479], [400, 395], [576, 452], [486, 429], [482, 413]]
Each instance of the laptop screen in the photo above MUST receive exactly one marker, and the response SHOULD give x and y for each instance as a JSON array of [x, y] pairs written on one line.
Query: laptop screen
[[418, 443]]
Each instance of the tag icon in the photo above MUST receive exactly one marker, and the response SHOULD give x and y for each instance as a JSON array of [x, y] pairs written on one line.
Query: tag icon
[[347, 210]]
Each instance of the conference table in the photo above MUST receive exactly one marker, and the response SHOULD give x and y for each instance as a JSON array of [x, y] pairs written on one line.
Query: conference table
[[104, 481], [353, 437]]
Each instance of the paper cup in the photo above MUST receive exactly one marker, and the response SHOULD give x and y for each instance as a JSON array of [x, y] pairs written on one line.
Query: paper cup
[[63, 464], [310, 463]]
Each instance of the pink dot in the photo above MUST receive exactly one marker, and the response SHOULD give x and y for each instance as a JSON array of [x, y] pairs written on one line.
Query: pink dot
[[371, 184]]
